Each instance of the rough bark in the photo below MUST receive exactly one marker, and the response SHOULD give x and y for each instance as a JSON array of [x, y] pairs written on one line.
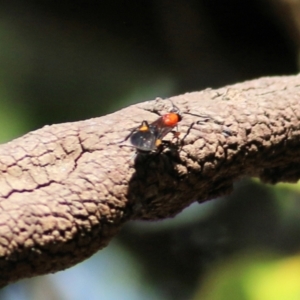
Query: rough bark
[[66, 189]]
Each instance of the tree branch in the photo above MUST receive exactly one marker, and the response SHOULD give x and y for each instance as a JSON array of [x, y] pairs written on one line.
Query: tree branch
[[67, 189]]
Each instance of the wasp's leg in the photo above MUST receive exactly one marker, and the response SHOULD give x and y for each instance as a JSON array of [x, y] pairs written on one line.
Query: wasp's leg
[[205, 118], [128, 136], [176, 134], [227, 132], [188, 131], [190, 128]]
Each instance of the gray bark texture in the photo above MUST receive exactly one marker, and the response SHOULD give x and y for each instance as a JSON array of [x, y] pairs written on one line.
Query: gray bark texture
[[66, 189]]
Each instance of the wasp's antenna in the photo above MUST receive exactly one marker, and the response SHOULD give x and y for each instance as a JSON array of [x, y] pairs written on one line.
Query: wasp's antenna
[[175, 109]]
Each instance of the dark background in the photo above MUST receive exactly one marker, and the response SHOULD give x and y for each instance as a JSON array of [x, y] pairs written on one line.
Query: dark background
[[66, 61]]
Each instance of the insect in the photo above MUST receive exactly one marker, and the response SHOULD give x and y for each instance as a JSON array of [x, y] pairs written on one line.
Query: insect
[[148, 137]]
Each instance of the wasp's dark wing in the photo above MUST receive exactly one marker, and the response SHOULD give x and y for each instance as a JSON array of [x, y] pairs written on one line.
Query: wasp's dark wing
[[143, 140]]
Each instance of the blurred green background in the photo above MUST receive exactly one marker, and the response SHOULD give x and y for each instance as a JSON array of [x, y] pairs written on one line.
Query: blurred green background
[[66, 61]]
